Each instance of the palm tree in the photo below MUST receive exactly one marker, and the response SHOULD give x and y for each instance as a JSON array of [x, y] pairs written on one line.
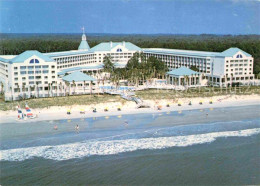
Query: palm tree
[[2, 88], [108, 65], [74, 86], [23, 90], [186, 80], [49, 86], [98, 85], [11, 89], [84, 84], [37, 89], [91, 87], [60, 88], [67, 86]]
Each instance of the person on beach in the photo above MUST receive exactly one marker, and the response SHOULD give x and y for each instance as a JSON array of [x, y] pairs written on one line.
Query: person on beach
[[126, 123], [77, 128]]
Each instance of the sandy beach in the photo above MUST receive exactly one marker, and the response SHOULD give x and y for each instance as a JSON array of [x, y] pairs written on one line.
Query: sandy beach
[[57, 113]]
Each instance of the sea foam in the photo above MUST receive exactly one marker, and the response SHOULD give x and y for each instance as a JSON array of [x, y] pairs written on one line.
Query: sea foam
[[95, 147]]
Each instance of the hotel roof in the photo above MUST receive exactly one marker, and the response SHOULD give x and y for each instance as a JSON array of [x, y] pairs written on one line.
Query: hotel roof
[[78, 77], [67, 53], [232, 51], [227, 53], [29, 53], [106, 46], [83, 45], [63, 72], [181, 52], [182, 71]]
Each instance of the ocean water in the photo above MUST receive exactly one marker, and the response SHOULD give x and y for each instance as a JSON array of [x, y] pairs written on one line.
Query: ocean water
[[209, 146]]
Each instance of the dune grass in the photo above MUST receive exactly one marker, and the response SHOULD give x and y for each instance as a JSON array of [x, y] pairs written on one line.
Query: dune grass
[[145, 94], [62, 101], [196, 92]]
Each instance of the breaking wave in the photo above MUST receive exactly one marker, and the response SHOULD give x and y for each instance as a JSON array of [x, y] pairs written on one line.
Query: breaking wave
[[94, 147]]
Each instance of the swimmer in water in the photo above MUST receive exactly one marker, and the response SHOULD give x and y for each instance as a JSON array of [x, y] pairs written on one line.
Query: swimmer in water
[[55, 127], [77, 128]]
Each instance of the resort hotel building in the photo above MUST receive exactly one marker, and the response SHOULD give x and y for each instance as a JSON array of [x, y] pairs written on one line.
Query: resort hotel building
[[33, 73]]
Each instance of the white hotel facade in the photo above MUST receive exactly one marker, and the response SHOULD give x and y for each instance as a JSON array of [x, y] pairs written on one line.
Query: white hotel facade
[[33, 70]]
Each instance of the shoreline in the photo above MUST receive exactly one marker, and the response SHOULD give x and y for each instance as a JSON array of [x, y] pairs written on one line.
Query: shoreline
[[58, 113]]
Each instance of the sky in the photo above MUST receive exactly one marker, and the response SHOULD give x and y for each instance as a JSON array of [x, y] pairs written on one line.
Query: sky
[[131, 16]]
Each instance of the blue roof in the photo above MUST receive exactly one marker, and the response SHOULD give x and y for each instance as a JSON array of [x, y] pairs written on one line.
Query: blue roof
[[227, 53], [106, 46], [29, 53], [4, 60], [182, 71], [83, 45], [63, 72], [181, 52], [66, 53], [232, 51], [78, 77]]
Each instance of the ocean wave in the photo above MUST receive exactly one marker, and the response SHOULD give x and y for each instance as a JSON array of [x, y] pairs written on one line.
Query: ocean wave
[[94, 147]]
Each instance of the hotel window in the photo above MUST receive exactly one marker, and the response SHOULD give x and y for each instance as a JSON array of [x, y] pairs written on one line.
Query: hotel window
[[30, 67], [45, 71], [23, 72], [31, 82], [15, 68], [16, 79], [38, 66], [22, 67], [45, 66], [24, 78], [31, 77], [16, 73]]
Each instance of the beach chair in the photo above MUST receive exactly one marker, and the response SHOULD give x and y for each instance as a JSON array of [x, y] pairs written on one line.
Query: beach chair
[[82, 111], [119, 109], [200, 102], [68, 112], [210, 102], [179, 104], [168, 105], [106, 109]]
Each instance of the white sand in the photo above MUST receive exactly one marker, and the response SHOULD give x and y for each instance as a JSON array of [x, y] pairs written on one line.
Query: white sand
[[56, 113]]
